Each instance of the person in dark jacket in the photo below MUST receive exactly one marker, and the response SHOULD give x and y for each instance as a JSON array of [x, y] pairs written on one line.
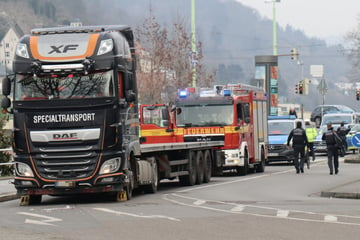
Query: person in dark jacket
[[292, 111], [342, 131], [299, 141], [332, 145]]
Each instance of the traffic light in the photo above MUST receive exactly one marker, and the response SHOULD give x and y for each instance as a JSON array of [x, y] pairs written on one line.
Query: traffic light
[[297, 88], [294, 54], [358, 94], [301, 87]]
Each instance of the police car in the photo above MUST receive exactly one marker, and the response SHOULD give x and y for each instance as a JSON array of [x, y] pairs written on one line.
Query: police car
[[279, 128]]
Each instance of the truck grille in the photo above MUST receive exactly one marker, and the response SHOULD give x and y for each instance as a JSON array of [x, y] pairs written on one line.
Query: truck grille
[[57, 164]]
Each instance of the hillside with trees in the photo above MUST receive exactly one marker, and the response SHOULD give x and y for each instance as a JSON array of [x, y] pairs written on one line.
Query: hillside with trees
[[230, 34]]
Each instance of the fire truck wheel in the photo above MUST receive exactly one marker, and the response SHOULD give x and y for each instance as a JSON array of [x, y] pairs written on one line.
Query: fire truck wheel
[[190, 179], [199, 167], [244, 169], [207, 166], [261, 166]]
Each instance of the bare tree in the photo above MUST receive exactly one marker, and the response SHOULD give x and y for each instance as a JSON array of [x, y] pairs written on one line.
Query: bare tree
[[164, 62]]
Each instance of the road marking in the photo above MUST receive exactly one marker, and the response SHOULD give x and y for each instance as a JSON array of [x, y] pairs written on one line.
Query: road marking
[[48, 220], [282, 213], [199, 202], [135, 215], [278, 213], [238, 208], [330, 218]]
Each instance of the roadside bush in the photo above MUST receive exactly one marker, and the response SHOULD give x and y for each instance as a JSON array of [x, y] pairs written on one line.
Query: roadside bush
[[5, 142]]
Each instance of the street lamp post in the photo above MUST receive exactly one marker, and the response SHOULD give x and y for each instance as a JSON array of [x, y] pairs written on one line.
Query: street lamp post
[[193, 44]]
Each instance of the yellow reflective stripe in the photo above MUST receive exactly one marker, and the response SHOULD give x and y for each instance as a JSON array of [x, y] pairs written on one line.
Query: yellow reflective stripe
[[154, 132]]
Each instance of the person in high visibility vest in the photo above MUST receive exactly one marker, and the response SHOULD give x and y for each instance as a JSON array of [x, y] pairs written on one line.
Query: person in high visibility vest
[[311, 134]]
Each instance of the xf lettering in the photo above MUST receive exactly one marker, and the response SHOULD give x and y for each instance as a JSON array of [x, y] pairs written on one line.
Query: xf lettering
[[63, 48]]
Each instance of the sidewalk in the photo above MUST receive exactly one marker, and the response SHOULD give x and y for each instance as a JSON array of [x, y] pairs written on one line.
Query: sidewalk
[[349, 190]]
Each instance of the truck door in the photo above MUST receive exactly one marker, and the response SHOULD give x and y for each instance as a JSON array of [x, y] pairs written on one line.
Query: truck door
[[155, 124]]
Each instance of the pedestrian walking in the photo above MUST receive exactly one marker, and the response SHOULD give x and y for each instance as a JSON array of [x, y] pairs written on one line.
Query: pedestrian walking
[[342, 131], [311, 134], [299, 141], [332, 144]]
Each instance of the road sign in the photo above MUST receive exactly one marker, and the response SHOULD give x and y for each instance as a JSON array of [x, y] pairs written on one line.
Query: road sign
[[355, 140]]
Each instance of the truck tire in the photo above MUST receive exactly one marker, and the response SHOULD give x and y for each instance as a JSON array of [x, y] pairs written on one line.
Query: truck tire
[[207, 166], [153, 186], [199, 167], [190, 179], [261, 166], [242, 171]]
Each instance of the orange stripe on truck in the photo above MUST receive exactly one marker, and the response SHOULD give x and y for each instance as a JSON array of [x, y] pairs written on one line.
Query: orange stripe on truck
[[89, 51]]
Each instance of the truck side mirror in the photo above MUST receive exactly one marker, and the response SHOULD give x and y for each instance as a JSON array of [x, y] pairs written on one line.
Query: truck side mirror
[[6, 86], [5, 104], [130, 96]]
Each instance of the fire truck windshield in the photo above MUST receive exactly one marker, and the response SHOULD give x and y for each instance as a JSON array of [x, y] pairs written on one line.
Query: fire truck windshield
[[205, 115], [96, 85]]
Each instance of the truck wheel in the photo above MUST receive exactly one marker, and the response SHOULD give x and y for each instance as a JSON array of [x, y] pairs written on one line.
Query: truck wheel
[[244, 169], [261, 166], [207, 166], [190, 179], [199, 167], [153, 186]]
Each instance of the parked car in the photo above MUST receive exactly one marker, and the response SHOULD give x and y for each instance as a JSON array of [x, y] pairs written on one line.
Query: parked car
[[349, 119], [319, 111], [354, 130], [319, 144], [279, 128]]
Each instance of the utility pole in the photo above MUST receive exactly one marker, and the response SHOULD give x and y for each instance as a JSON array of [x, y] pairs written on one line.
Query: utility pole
[[193, 56], [274, 25]]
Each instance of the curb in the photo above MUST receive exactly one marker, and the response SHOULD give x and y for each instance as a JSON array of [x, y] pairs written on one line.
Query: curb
[[8, 197], [340, 195]]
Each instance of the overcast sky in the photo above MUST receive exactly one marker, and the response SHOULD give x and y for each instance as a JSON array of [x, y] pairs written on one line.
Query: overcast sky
[[317, 18]]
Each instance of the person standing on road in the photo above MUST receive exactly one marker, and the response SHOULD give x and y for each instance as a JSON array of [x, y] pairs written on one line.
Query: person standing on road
[[298, 135], [292, 112], [342, 131], [311, 134], [332, 145]]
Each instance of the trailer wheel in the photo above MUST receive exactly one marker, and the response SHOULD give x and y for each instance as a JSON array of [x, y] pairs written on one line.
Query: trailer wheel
[[190, 179], [199, 167], [207, 166], [153, 186], [244, 169]]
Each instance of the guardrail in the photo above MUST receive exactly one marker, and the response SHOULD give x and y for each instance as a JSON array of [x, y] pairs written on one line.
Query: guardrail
[[11, 162]]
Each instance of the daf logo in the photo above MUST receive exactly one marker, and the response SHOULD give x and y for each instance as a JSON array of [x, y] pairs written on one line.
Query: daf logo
[[65, 136], [63, 48]]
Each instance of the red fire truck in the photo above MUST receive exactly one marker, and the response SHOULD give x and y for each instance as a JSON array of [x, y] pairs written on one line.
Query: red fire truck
[[235, 114]]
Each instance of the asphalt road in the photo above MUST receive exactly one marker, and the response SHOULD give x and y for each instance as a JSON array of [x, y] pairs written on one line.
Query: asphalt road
[[276, 204]]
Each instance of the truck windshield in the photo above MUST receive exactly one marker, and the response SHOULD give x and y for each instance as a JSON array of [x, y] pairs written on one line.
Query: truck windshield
[[96, 85], [206, 115]]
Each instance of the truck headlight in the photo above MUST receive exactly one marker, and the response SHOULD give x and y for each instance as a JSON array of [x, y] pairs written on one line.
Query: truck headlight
[[23, 170], [105, 46], [21, 50], [110, 166]]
